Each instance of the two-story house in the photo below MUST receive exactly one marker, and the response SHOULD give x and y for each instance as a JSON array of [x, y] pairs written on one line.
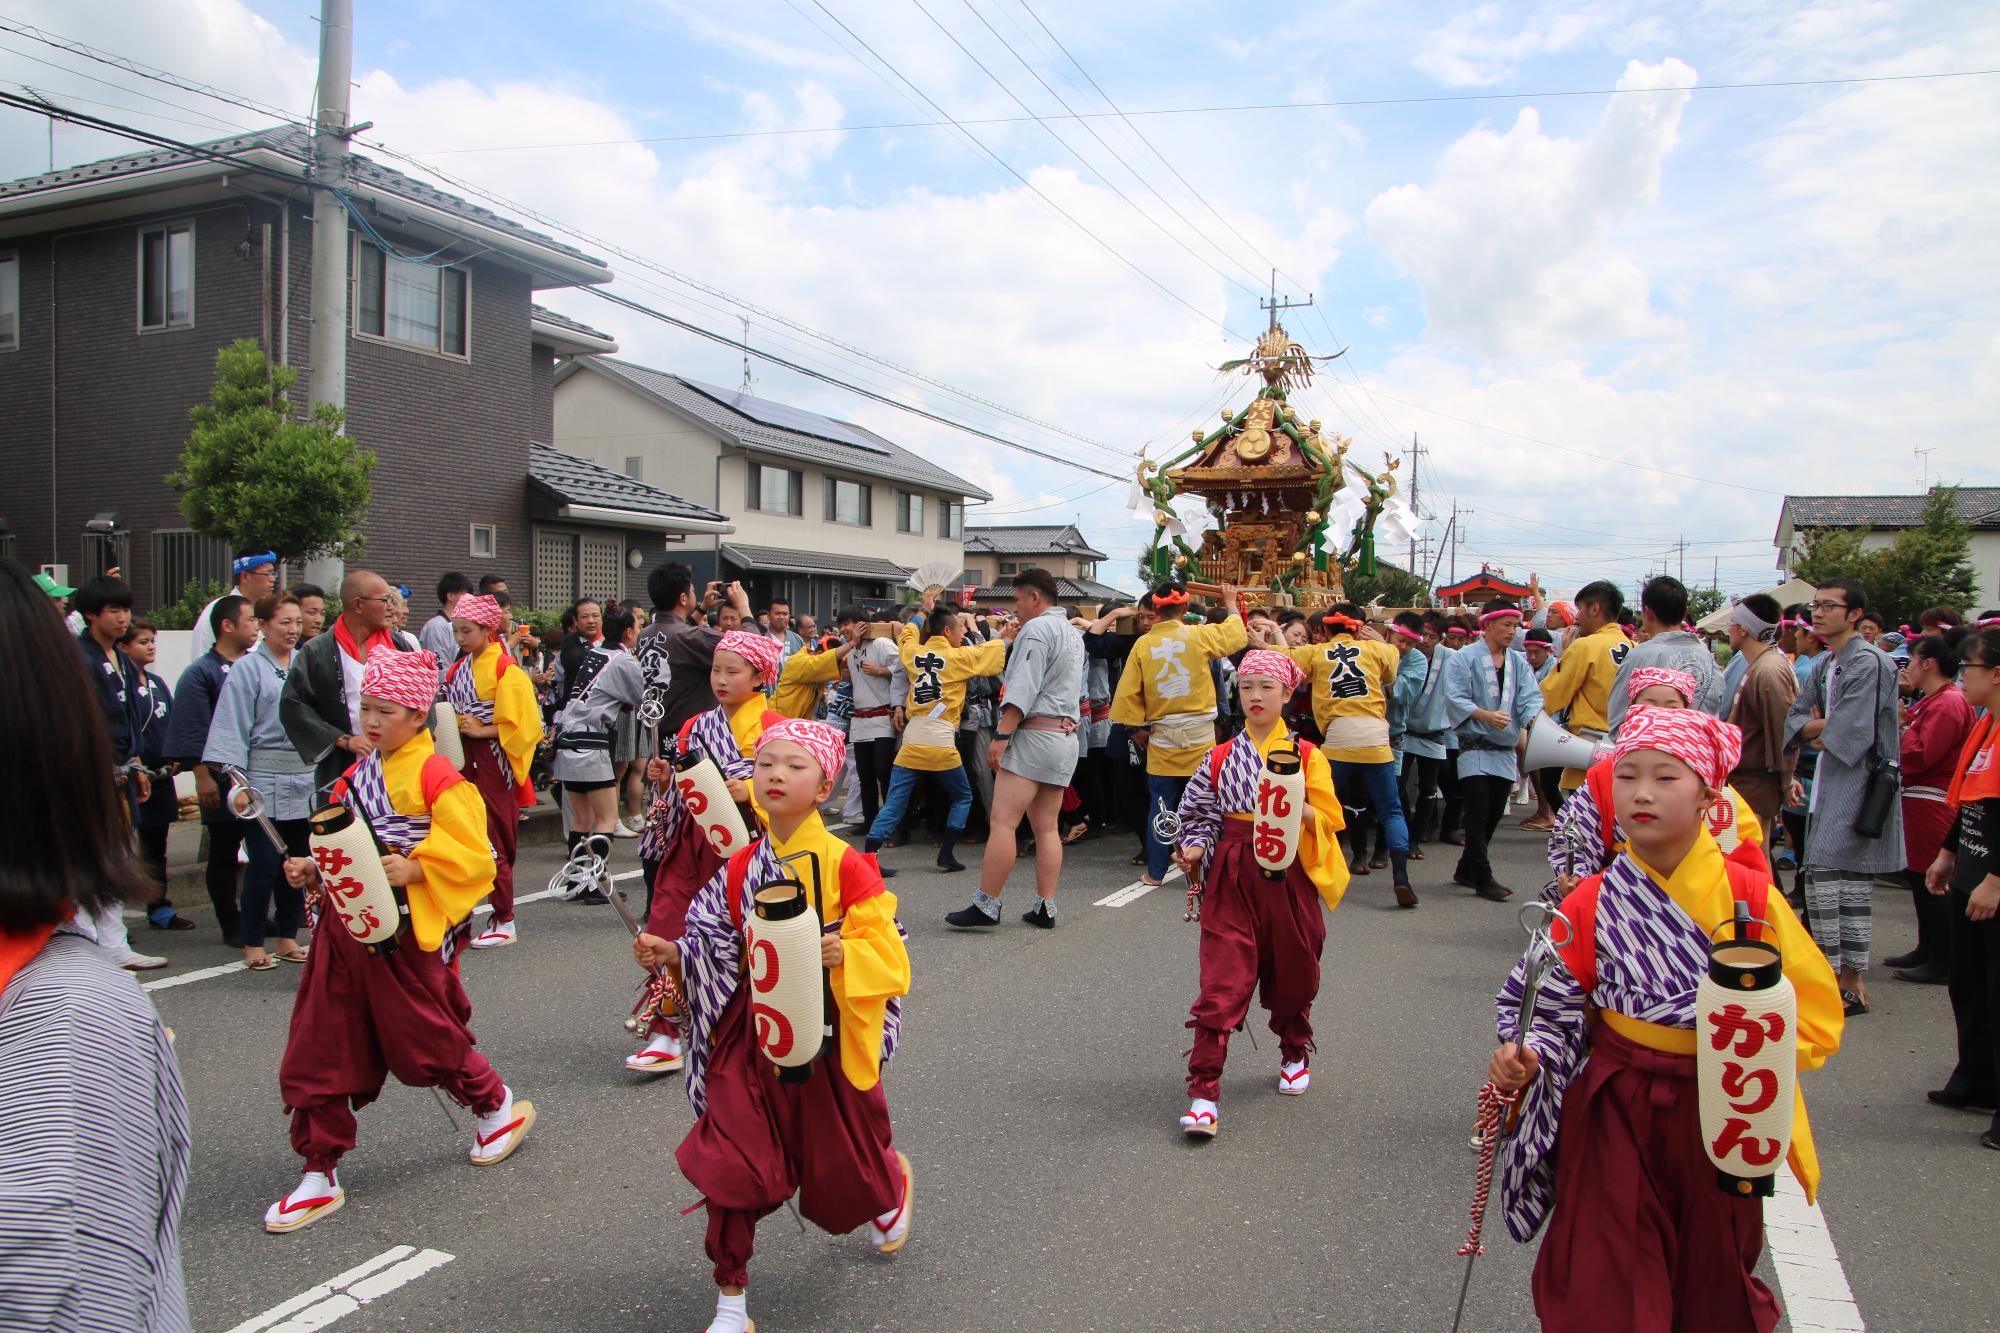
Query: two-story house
[[826, 513], [993, 555], [119, 281]]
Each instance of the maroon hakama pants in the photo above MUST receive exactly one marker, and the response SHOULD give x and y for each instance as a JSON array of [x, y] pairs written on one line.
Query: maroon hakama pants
[[760, 1141], [485, 769], [689, 863], [359, 1018], [1640, 1236], [1256, 934]]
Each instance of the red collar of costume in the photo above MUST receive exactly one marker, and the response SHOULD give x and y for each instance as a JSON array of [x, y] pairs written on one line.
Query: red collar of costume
[[17, 950], [345, 638], [1978, 775]]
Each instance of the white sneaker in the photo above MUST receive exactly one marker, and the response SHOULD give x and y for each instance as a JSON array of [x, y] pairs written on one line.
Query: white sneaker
[[134, 961], [499, 933], [1199, 1122], [312, 1198], [892, 1228], [661, 1055], [1294, 1077], [494, 1137], [623, 829]]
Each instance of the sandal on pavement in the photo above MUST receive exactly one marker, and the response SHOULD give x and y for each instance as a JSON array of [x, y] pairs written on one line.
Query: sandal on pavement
[[264, 964], [1852, 1004]]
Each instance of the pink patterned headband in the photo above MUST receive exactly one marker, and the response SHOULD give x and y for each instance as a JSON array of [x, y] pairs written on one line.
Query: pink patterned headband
[[1496, 615]]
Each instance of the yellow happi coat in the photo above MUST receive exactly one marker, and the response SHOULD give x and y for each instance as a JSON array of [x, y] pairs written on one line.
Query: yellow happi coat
[[938, 673], [1166, 677], [456, 856], [515, 710], [804, 675], [1351, 680]]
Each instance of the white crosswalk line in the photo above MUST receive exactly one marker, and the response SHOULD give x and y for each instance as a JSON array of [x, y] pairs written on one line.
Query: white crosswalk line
[[338, 1297], [1810, 1277], [1134, 891]]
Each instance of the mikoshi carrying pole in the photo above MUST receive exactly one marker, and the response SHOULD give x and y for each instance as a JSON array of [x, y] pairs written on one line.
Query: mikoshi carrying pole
[[1540, 921], [1746, 1059]]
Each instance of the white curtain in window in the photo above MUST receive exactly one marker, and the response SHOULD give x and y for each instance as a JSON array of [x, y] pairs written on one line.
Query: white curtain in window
[[413, 303]]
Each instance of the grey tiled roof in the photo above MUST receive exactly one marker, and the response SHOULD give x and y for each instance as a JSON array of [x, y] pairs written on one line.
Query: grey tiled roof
[[874, 456], [779, 560], [1977, 505], [1084, 591], [294, 142], [562, 321], [1030, 540], [573, 480]]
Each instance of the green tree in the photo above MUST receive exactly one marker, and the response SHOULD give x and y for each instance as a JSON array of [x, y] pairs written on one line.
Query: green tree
[[181, 614], [252, 474], [1703, 602], [1925, 566], [1393, 584]]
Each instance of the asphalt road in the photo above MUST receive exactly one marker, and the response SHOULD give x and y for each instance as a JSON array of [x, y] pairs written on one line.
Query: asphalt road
[[1036, 1095]]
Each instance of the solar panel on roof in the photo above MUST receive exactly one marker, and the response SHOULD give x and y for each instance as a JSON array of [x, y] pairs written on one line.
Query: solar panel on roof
[[779, 416]]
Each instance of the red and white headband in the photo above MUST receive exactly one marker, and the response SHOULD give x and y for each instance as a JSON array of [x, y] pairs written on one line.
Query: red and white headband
[[409, 679], [1277, 666], [1703, 742], [824, 743], [759, 650]]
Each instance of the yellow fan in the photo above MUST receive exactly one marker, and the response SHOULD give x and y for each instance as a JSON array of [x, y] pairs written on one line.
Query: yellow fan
[[933, 577]]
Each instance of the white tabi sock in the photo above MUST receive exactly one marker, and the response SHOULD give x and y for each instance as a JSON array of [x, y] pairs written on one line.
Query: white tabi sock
[[732, 1314]]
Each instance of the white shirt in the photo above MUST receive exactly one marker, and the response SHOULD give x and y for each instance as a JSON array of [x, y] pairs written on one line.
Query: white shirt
[[204, 633], [350, 688]]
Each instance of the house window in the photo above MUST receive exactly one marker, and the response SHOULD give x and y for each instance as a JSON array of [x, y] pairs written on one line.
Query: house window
[[166, 277], [485, 541], [1009, 567], [1087, 569], [848, 502], [10, 302], [182, 556], [909, 512], [419, 305], [775, 490], [951, 520], [635, 467], [569, 565]]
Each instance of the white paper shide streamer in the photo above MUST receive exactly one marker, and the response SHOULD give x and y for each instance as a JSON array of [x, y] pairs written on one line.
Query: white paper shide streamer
[[787, 1008], [1746, 1063], [1281, 801]]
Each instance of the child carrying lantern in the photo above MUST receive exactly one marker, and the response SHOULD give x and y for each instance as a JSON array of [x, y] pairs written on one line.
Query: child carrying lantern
[[1262, 813], [786, 1079], [1656, 1079]]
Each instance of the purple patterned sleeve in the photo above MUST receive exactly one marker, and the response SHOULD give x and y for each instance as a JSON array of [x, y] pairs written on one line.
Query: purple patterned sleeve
[[711, 960], [1579, 825], [1527, 1157]]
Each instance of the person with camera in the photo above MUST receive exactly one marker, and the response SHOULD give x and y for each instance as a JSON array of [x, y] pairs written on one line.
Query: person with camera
[[1846, 713]]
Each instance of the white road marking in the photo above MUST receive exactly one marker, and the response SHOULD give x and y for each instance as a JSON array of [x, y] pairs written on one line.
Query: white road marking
[[341, 1296], [1136, 890], [224, 969], [1814, 1285]]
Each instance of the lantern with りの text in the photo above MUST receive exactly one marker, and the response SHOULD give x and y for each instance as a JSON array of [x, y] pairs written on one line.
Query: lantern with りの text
[[1280, 815], [705, 792], [787, 981], [1746, 1061]]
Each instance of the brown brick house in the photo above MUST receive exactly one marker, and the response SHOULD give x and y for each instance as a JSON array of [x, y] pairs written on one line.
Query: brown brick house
[[120, 279]]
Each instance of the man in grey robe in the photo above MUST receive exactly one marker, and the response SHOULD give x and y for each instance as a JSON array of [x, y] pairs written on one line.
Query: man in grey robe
[[1846, 711], [1033, 754], [1663, 606]]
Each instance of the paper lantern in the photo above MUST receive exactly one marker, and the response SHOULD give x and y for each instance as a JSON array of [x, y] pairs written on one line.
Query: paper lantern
[[1280, 818], [1746, 1063], [787, 983]]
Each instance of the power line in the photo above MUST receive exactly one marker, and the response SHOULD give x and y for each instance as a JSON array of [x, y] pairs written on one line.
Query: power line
[[1004, 165], [1227, 109], [838, 383]]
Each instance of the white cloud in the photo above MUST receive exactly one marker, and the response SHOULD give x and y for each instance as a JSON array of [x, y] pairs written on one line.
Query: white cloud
[[1481, 46], [1510, 243]]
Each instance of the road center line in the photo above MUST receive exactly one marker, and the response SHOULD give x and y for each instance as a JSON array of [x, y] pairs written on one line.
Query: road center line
[[224, 969], [338, 1297], [1814, 1285], [1134, 891]]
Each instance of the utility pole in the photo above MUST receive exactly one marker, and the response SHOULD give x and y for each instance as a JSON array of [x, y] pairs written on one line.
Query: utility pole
[[1417, 451], [746, 354], [1682, 547], [1923, 455], [1274, 305], [328, 383]]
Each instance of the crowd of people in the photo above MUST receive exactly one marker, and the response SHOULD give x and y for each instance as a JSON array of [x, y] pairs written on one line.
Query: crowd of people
[[1240, 748]]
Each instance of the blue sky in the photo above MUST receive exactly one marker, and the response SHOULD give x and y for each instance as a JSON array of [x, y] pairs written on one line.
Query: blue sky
[[1769, 290]]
